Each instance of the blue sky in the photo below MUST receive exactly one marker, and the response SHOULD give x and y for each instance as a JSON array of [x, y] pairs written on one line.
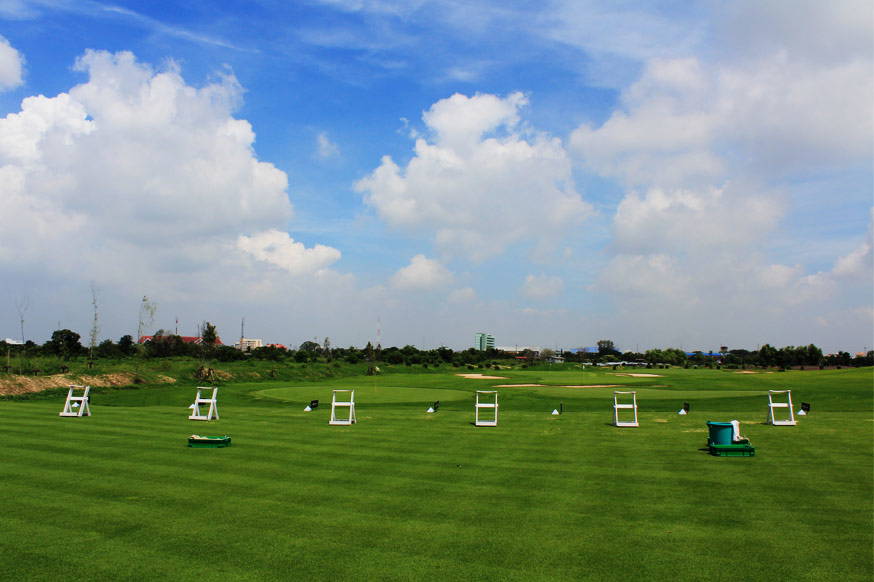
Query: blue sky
[[660, 174]]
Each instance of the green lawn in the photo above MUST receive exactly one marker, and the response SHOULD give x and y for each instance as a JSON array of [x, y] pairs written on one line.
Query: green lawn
[[406, 495]]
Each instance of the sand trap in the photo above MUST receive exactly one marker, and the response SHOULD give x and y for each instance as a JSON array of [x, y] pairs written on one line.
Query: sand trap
[[746, 372], [640, 375], [517, 385], [595, 386], [481, 377]]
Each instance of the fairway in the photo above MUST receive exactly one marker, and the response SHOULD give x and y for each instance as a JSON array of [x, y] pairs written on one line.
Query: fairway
[[405, 495]]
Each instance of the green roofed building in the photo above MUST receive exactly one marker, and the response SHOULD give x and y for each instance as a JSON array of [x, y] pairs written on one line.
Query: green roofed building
[[483, 341]]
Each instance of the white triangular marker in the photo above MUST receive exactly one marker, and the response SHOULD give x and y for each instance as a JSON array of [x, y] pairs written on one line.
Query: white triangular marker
[[682, 411], [308, 409], [430, 409], [75, 405], [193, 406], [555, 412], [801, 413]]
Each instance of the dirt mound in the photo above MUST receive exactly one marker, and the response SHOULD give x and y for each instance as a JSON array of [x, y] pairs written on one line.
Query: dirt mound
[[27, 384], [117, 379]]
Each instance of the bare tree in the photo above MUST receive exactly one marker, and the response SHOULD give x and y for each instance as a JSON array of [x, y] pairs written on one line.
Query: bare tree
[[147, 315], [95, 325]]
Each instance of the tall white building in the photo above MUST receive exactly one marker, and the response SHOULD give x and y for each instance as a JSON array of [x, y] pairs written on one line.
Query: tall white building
[[483, 341]]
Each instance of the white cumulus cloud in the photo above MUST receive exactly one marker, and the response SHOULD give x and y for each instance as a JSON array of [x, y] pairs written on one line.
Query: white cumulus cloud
[[481, 183], [278, 248], [421, 274], [136, 171], [11, 66]]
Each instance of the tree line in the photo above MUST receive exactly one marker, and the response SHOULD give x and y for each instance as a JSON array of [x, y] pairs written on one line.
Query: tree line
[[65, 344]]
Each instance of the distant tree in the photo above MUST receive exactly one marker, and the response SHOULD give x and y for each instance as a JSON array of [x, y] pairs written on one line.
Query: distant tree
[[269, 353], [64, 344], [107, 349], [228, 354], [126, 345], [444, 353], [767, 355], [813, 355], [606, 348], [310, 346], [208, 334]]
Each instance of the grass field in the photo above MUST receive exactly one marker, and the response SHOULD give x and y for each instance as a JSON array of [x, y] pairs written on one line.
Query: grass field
[[404, 495]]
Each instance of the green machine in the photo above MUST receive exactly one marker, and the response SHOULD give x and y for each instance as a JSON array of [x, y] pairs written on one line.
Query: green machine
[[724, 440]]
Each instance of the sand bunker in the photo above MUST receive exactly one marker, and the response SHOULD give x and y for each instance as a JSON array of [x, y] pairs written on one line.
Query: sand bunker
[[517, 385], [746, 372], [640, 375], [481, 377], [594, 386]]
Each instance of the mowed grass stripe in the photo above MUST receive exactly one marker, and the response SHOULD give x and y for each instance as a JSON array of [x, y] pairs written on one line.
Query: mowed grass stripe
[[536, 498]]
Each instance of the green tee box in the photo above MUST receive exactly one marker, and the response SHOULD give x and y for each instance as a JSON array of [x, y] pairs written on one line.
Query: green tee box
[[209, 442], [738, 450]]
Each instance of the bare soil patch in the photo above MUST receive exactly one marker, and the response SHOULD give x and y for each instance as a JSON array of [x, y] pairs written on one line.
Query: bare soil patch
[[27, 384], [481, 377]]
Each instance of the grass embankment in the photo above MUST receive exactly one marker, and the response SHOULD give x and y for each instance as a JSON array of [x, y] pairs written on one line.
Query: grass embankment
[[107, 374], [408, 495]]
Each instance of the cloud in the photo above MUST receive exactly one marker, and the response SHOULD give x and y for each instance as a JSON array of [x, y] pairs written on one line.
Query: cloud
[[542, 286], [711, 149], [11, 66], [325, 148], [683, 220], [278, 248], [685, 122], [137, 171], [421, 274], [859, 263], [481, 183]]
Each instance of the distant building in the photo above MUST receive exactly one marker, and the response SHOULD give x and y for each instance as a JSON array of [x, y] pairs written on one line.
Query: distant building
[[483, 341], [248, 344]]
